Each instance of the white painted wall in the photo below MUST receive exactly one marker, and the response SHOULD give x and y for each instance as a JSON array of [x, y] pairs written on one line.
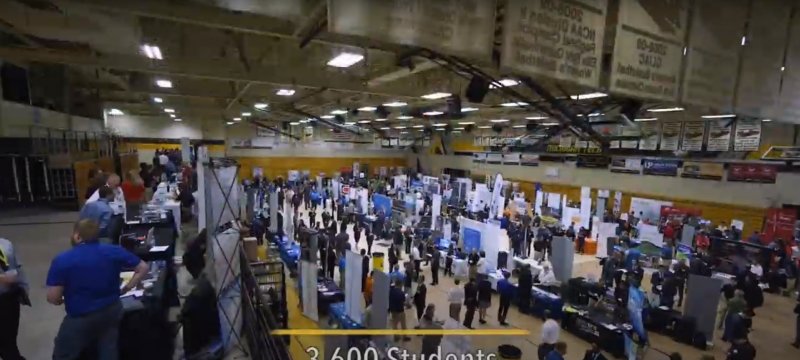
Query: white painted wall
[[165, 128], [785, 191], [16, 120]]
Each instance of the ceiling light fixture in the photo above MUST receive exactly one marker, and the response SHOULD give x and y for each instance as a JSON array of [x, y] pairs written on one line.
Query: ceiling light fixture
[[588, 96], [404, 132], [596, 114], [237, 119], [646, 119], [229, 122], [246, 114], [514, 104], [158, 100], [466, 123], [484, 127], [178, 120], [327, 117], [386, 128], [345, 60], [261, 106], [536, 118], [440, 124], [294, 123], [364, 121], [498, 120], [670, 109], [469, 109], [164, 83], [404, 117], [783, 68], [432, 113], [349, 123], [439, 129], [169, 111], [380, 120], [722, 116], [766, 120], [504, 83], [459, 128], [418, 126], [744, 40], [367, 108], [550, 124], [172, 115], [395, 104], [518, 126], [285, 92], [436, 96], [399, 127], [115, 112], [339, 112], [152, 52]]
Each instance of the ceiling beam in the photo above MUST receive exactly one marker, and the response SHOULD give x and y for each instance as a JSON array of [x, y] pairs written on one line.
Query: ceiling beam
[[207, 69]]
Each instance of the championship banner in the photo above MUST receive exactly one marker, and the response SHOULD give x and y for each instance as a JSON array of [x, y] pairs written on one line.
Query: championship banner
[[757, 173], [748, 135], [693, 135], [494, 158], [650, 134], [670, 135], [712, 57], [719, 135], [626, 165], [592, 161], [511, 158], [557, 39], [789, 100], [703, 170], [479, 158], [661, 167], [648, 49], [447, 26], [529, 160], [762, 57]]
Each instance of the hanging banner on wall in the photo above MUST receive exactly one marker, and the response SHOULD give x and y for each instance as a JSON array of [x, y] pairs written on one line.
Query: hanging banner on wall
[[789, 100], [670, 134], [650, 134], [626, 165], [452, 27], [529, 160], [494, 158], [693, 135], [592, 161], [648, 49], [758, 173], [748, 135], [661, 167], [762, 58], [511, 158], [558, 39], [702, 170], [479, 157], [712, 57], [719, 135]]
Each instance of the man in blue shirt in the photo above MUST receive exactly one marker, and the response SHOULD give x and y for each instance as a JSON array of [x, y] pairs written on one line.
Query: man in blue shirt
[[100, 211], [86, 279], [506, 291], [632, 256], [397, 308]]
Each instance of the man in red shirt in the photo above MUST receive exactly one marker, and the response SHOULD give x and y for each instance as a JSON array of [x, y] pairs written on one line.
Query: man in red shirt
[[701, 241]]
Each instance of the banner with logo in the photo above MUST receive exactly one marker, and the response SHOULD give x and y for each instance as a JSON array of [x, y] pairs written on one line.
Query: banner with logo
[[626, 165], [648, 49], [650, 134], [670, 136], [558, 39], [479, 158], [529, 160], [757, 173], [511, 158], [661, 167], [693, 135], [719, 135], [448, 26], [703, 170], [494, 158], [592, 161], [748, 135]]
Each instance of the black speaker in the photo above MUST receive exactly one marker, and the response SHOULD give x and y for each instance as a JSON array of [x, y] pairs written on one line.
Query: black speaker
[[454, 105], [502, 259], [477, 89]]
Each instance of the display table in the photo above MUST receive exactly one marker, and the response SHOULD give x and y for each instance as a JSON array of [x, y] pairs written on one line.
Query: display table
[[496, 276], [290, 253], [535, 267], [542, 300], [337, 315], [660, 319], [174, 206], [327, 293], [596, 327]]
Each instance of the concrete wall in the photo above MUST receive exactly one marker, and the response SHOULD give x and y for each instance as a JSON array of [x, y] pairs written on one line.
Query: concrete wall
[[785, 191], [165, 128], [17, 119]]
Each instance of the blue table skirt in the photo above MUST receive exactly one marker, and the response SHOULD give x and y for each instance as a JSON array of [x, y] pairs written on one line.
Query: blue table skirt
[[338, 316], [540, 302]]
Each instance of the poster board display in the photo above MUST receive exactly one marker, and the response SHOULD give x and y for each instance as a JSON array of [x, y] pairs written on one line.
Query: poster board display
[[494, 158], [512, 158], [471, 234], [479, 158], [693, 135], [448, 26], [308, 277], [757, 173], [661, 167], [748, 135], [529, 160], [556, 39], [719, 135], [648, 49], [670, 136], [626, 165], [703, 170], [648, 210], [352, 285]]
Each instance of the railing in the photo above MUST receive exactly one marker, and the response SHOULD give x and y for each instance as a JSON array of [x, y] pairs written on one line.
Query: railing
[[259, 318], [50, 141]]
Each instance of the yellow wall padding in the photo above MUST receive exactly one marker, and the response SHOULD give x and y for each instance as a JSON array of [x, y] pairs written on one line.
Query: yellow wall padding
[[464, 144], [280, 166], [128, 162]]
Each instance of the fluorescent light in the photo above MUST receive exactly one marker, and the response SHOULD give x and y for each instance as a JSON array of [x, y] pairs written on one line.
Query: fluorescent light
[[349, 123], [744, 40], [345, 60], [783, 68], [178, 120], [386, 128], [294, 123], [459, 128], [519, 126], [327, 117], [246, 114], [504, 83], [115, 112], [766, 120], [514, 104], [380, 120], [588, 96], [498, 120], [536, 118], [237, 119], [158, 100], [152, 52], [440, 124], [484, 127], [364, 121], [284, 92], [418, 126], [339, 112], [596, 114], [164, 83], [420, 130], [646, 119], [400, 127], [432, 113], [169, 111], [468, 109], [172, 115], [395, 104], [671, 109], [404, 117], [439, 129], [230, 123], [261, 106], [723, 116], [456, 132], [466, 123], [367, 108], [549, 124], [436, 95]]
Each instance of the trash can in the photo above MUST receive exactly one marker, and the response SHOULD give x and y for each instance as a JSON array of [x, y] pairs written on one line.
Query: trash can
[[377, 261]]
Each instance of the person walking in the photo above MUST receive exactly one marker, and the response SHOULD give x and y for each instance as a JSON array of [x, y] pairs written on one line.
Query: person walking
[[85, 279], [470, 301], [549, 338], [472, 260], [558, 351], [484, 299], [796, 342], [397, 309], [506, 291], [13, 293], [370, 239], [525, 288], [420, 296], [455, 297], [435, 261], [364, 269], [430, 343]]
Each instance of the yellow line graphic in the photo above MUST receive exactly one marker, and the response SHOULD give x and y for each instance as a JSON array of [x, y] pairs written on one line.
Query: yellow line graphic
[[392, 332]]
